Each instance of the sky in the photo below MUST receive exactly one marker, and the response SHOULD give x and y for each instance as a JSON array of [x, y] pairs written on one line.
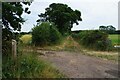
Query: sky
[[94, 13]]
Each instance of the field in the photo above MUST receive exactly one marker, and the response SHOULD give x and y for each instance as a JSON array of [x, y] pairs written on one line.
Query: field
[[26, 39], [115, 39]]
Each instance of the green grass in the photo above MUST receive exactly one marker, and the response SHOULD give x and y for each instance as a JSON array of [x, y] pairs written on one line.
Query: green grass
[[37, 68], [29, 66], [114, 38]]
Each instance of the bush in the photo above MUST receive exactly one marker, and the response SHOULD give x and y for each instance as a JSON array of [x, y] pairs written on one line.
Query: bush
[[75, 36], [94, 39], [45, 34]]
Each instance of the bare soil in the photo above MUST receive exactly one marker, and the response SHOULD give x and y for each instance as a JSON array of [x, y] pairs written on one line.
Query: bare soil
[[76, 65]]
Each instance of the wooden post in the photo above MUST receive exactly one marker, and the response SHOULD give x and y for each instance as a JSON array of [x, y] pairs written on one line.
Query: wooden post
[[14, 49]]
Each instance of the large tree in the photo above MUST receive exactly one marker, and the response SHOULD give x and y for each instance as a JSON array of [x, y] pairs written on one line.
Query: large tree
[[11, 17], [11, 20], [11, 14], [62, 15]]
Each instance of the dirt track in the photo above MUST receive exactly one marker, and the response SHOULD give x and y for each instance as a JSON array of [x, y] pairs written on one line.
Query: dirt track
[[76, 65]]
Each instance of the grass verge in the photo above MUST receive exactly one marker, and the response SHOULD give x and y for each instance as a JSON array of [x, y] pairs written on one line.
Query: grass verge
[[102, 54], [37, 68], [27, 65]]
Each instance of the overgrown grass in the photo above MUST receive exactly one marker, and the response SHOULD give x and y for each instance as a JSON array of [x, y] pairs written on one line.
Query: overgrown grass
[[29, 67], [103, 55], [67, 44], [37, 68], [115, 39]]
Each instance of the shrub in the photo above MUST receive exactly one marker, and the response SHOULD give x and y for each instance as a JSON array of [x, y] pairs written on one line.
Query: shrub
[[45, 34], [75, 36], [94, 39]]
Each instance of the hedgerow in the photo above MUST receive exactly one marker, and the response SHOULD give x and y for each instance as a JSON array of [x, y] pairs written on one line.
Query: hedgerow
[[94, 39]]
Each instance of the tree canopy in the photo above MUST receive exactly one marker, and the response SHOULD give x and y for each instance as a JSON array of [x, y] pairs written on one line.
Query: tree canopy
[[11, 14], [62, 15], [11, 20], [11, 17]]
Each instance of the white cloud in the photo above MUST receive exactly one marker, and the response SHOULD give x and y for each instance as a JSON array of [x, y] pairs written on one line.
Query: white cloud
[[94, 12]]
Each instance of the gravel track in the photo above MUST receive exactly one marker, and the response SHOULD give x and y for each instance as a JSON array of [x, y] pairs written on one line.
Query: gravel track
[[76, 65]]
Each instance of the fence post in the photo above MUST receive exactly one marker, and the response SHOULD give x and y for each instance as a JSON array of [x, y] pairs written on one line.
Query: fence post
[[14, 49]]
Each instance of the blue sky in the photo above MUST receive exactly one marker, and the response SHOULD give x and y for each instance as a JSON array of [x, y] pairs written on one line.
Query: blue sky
[[94, 13]]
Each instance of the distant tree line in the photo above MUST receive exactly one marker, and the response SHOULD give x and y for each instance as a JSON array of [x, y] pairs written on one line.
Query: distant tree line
[[109, 29], [117, 32]]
